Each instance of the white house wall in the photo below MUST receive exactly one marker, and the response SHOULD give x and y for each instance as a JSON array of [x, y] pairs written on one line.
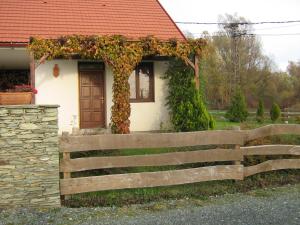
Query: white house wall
[[64, 91]]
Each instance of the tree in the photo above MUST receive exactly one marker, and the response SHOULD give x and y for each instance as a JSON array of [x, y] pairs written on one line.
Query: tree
[[294, 73], [187, 110], [238, 109], [237, 61], [275, 112], [260, 112]]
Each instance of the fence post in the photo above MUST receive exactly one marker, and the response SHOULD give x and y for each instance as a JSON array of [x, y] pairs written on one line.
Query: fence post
[[237, 147], [286, 115], [66, 175]]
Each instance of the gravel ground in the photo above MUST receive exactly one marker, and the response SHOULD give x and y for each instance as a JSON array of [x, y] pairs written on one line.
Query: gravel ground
[[265, 206]]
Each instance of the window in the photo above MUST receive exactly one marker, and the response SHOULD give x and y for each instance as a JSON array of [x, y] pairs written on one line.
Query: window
[[141, 83]]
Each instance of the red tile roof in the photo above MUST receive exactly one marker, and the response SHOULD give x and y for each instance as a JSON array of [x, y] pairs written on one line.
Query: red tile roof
[[21, 19]]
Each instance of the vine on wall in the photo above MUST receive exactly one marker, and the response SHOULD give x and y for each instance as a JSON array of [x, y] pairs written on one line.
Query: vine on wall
[[122, 55]]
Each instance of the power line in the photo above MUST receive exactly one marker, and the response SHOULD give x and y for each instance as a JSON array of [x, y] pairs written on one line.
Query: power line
[[290, 34], [247, 34], [278, 27], [238, 23]]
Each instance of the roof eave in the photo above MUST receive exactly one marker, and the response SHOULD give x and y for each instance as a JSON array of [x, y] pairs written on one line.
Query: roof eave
[[13, 44]]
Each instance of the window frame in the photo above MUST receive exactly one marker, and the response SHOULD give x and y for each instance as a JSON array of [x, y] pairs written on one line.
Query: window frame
[[138, 98]]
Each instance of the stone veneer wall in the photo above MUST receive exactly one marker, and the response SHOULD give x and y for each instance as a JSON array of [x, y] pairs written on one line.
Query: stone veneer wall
[[29, 156]]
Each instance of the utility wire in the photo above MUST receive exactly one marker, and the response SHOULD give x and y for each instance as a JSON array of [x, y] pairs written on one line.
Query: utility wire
[[239, 23], [278, 27], [247, 34]]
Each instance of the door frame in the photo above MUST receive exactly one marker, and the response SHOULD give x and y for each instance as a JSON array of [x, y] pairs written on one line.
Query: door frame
[[104, 90]]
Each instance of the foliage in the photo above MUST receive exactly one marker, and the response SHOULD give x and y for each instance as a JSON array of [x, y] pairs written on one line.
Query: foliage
[[25, 88], [187, 110], [294, 74], [297, 119], [275, 112], [237, 111], [256, 72], [122, 55], [260, 112], [10, 78]]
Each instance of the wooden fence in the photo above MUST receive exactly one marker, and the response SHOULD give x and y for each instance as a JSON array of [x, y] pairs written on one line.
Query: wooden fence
[[286, 114], [236, 138]]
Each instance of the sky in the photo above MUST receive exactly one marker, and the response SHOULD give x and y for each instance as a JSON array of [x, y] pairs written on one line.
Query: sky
[[280, 49]]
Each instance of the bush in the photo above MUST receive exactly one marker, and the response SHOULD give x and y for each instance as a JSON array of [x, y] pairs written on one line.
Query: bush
[[187, 110], [275, 112], [297, 119], [237, 111], [260, 112]]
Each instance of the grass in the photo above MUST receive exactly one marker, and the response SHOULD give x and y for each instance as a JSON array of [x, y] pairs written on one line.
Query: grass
[[197, 191]]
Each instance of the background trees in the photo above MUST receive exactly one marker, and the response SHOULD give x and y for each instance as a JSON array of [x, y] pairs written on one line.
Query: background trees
[[236, 59]]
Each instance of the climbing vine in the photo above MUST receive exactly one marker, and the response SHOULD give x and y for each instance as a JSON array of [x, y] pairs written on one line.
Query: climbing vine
[[122, 55]]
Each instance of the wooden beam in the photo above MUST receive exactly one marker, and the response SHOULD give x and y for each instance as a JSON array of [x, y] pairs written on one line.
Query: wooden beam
[[32, 75], [196, 68], [270, 165], [272, 150], [270, 130], [42, 60], [190, 63], [150, 179], [165, 159], [149, 140]]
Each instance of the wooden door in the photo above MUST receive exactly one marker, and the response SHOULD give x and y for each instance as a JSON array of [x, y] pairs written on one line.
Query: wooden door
[[92, 99]]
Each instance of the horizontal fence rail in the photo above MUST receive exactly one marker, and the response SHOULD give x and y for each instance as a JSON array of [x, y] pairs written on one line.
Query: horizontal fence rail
[[279, 164], [149, 140], [163, 159], [150, 179], [286, 114], [233, 139], [271, 150]]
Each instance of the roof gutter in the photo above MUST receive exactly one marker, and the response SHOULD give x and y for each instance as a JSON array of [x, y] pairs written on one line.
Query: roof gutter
[[14, 44]]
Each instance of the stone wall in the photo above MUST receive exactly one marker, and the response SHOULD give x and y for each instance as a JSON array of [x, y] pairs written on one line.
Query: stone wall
[[29, 156]]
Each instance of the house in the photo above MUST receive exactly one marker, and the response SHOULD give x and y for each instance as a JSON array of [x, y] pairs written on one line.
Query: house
[[83, 88]]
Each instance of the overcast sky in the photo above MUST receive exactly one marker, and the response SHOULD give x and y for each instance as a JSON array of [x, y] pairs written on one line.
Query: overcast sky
[[280, 49]]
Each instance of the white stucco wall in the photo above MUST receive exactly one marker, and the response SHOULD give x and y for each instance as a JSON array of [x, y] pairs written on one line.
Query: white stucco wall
[[64, 91]]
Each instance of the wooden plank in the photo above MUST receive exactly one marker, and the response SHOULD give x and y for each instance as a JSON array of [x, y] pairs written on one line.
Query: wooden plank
[[269, 130], [149, 179], [32, 75], [149, 140], [238, 149], [175, 158], [270, 165], [196, 69], [66, 157], [272, 150]]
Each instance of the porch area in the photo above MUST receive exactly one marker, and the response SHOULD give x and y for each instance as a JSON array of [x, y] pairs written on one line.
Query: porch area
[[16, 76]]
